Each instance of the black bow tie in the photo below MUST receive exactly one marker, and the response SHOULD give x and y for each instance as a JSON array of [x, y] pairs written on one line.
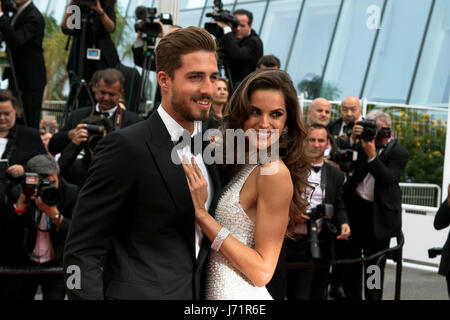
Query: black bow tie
[[316, 168], [196, 143], [101, 114]]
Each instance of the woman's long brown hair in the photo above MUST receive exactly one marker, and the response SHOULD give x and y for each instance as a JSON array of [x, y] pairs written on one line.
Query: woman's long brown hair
[[291, 144]]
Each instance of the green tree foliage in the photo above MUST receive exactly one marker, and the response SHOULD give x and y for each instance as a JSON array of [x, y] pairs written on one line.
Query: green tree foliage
[[424, 138], [55, 59]]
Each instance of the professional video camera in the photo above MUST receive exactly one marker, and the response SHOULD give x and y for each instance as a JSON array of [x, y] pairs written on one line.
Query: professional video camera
[[42, 187], [369, 132], [345, 158], [95, 133], [220, 15], [321, 211], [145, 21]]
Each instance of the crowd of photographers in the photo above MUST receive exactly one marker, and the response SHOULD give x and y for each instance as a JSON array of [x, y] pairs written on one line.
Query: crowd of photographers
[[355, 202]]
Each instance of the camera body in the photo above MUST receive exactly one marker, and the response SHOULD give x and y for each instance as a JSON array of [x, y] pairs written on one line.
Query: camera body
[[346, 159], [369, 129], [146, 21], [324, 211], [95, 133], [42, 187], [220, 15]]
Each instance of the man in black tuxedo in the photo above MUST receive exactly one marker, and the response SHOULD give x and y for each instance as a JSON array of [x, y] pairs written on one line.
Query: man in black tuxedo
[[108, 92], [23, 36], [305, 284], [133, 233], [373, 200]]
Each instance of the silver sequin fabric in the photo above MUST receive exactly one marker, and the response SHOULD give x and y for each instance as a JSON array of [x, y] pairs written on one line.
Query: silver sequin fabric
[[223, 281]]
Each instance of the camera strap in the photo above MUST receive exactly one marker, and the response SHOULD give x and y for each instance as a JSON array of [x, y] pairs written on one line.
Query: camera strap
[[118, 118]]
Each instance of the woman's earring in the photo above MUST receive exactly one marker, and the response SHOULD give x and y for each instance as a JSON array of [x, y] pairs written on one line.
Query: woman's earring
[[284, 131]]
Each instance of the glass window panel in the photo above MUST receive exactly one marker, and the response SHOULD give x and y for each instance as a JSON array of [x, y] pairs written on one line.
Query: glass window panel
[[279, 28], [191, 4], [432, 84], [190, 18], [397, 50], [42, 4], [312, 41], [56, 9], [351, 49]]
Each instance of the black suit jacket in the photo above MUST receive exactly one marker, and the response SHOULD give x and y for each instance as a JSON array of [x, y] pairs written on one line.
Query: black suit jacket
[[60, 139], [387, 169], [25, 42], [242, 55], [334, 127], [132, 231], [441, 221]]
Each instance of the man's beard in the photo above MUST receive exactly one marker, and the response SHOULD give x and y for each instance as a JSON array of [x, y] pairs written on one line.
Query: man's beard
[[184, 112]]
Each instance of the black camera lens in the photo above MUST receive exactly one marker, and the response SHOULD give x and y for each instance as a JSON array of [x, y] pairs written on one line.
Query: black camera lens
[[48, 193]]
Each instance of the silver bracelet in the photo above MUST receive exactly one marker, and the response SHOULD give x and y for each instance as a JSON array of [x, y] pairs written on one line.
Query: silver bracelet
[[220, 238]]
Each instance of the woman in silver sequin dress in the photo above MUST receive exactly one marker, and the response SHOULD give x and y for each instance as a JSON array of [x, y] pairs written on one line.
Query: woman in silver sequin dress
[[261, 202]]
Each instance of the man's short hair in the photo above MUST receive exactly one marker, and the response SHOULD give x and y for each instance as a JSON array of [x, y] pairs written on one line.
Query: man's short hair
[[316, 126], [176, 44], [43, 165], [269, 61], [380, 116], [7, 95], [111, 76], [245, 12]]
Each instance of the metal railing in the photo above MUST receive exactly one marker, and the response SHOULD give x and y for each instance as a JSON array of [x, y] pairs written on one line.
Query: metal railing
[[394, 253], [421, 194]]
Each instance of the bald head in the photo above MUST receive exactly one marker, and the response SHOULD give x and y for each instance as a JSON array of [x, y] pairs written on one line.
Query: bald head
[[350, 109], [319, 112]]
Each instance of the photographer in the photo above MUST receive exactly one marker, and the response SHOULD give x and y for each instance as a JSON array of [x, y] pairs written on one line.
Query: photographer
[[326, 190], [373, 197], [441, 221], [100, 23], [108, 92], [23, 36], [242, 46], [17, 144], [44, 210], [75, 169], [340, 129]]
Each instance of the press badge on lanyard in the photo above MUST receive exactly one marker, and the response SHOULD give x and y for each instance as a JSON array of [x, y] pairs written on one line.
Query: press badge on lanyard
[[93, 54]]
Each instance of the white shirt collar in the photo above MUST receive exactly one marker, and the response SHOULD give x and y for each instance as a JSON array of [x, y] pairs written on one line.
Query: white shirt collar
[[110, 111], [174, 128]]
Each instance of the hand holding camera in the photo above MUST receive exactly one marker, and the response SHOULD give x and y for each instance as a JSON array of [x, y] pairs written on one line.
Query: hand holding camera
[[79, 134]]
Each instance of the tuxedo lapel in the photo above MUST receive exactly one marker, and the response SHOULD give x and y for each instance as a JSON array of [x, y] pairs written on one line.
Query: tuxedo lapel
[[161, 146]]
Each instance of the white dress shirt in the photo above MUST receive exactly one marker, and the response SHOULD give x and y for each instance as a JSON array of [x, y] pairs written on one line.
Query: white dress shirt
[[176, 131]]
